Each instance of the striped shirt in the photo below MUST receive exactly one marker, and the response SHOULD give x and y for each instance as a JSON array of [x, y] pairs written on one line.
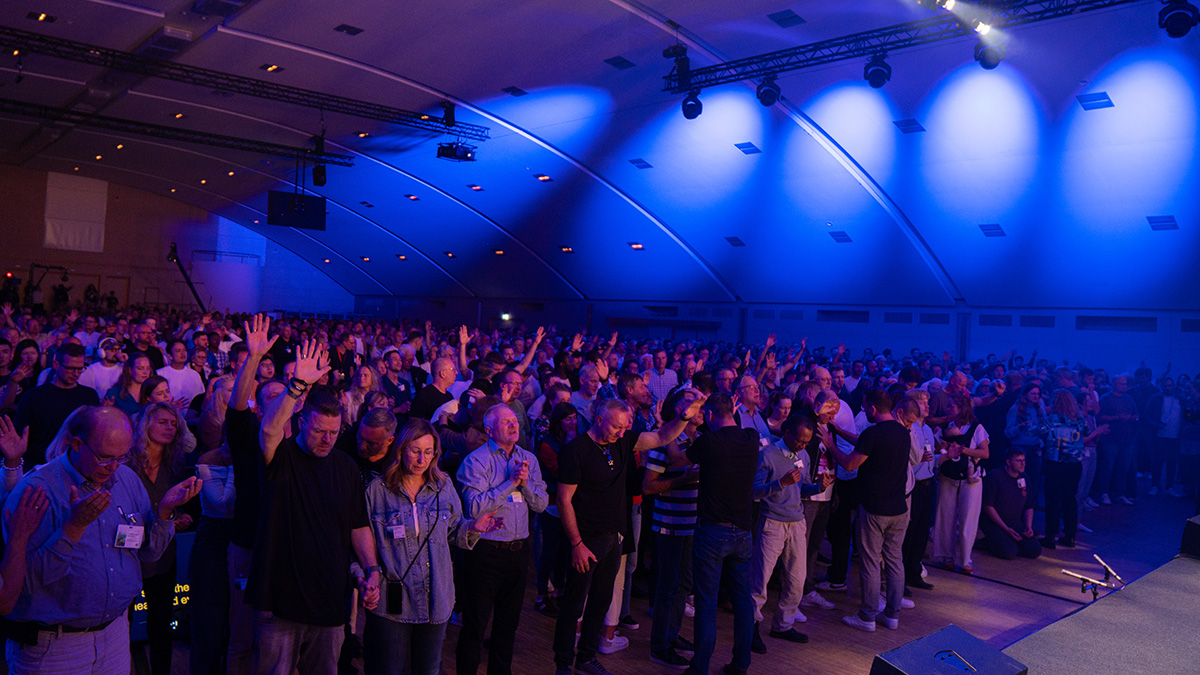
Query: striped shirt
[[674, 510]]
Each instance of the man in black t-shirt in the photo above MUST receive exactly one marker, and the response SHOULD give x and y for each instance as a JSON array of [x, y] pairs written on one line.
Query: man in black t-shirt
[[728, 459], [881, 458], [592, 500], [43, 409], [313, 512], [1007, 521], [435, 394]]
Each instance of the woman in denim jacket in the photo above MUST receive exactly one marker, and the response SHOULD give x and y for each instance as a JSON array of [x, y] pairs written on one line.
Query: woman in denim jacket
[[415, 514]]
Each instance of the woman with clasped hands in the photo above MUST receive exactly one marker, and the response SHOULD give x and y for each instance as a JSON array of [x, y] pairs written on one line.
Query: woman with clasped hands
[[415, 514]]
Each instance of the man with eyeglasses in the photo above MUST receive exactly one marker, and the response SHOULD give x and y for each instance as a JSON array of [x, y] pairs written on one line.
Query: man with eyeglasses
[[748, 397], [593, 498], [43, 409], [84, 560], [143, 341]]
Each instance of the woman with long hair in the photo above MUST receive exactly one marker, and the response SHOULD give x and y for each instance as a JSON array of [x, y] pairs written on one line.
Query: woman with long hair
[[126, 394], [1026, 428], [415, 513], [157, 457], [963, 444], [551, 565], [779, 406], [24, 370], [366, 380], [1063, 466]]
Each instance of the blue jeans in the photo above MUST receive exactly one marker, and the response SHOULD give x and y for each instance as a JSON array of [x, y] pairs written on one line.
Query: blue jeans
[[407, 648], [715, 545], [674, 562]]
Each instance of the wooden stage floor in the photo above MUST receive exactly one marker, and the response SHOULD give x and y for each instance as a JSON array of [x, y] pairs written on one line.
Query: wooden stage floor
[[1133, 540]]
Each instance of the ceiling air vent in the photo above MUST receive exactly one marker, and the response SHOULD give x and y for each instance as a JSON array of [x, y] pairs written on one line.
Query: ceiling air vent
[[641, 164], [909, 126], [897, 317], [840, 236], [747, 148], [786, 19], [735, 242], [1094, 101], [992, 230], [514, 91], [348, 29], [1160, 223], [165, 43], [764, 314], [662, 310], [620, 63], [225, 8]]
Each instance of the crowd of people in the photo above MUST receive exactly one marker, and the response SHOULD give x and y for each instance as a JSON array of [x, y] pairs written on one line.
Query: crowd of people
[[357, 485]]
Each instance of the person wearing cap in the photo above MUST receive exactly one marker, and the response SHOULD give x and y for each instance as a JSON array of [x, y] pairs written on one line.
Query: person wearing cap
[[103, 374]]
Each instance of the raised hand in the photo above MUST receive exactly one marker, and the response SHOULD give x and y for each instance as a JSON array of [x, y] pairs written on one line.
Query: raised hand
[[30, 510], [12, 444], [258, 339], [312, 362], [540, 335], [72, 317], [612, 342], [7, 309], [771, 340], [84, 511], [178, 495], [488, 522], [464, 335], [576, 343]]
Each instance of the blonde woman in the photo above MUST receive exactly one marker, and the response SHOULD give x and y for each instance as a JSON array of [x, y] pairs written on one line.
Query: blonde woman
[[415, 514], [366, 380], [960, 491]]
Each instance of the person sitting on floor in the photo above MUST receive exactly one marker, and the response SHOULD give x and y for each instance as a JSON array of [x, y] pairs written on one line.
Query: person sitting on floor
[[1008, 510]]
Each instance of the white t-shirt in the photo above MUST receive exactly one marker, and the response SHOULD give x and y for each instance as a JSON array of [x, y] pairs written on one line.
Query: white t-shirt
[[184, 383], [100, 377]]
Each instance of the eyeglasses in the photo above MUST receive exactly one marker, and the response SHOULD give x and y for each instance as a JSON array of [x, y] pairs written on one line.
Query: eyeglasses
[[103, 461]]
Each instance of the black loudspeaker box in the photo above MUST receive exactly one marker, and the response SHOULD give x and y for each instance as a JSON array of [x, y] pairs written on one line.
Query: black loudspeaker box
[[1191, 538], [290, 209], [949, 651]]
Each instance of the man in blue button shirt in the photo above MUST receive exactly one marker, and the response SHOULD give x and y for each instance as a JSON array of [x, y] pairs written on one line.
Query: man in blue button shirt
[[502, 477], [84, 560]]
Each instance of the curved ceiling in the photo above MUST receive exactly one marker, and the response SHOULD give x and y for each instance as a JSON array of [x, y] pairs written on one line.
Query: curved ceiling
[[1070, 188]]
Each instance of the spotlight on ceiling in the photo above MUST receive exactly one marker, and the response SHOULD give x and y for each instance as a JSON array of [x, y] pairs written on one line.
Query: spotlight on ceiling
[[1178, 17], [934, 4], [692, 106], [877, 72], [989, 56], [456, 152], [768, 91]]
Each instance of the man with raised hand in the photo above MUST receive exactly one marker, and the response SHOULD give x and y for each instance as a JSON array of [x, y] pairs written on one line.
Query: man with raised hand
[[314, 510]]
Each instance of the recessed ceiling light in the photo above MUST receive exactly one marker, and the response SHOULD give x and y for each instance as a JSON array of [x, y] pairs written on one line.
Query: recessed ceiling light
[[424, 117], [99, 157], [179, 116], [270, 67], [172, 189], [203, 181], [369, 205], [16, 52], [120, 146], [567, 249], [366, 259], [543, 177], [477, 188], [327, 261], [256, 222], [230, 173], [498, 251], [413, 198], [448, 254], [636, 246], [363, 134], [41, 16], [77, 168], [401, 256]]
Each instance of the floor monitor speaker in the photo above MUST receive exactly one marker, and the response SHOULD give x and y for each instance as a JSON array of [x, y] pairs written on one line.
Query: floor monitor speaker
[[949, 651]]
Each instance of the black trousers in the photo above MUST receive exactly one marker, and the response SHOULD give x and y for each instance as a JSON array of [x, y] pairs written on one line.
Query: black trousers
[[160, 609], [1062, 483], [593, 588], [494, 583], [919, 523], [841, 529]]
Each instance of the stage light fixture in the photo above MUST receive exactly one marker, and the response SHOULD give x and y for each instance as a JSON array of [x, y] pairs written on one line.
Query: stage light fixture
[[320, 175], [989, 56], [768, 91], [506, 317], [877, 72], [1177, 17], [456, 152], [983, 28], [692, 106]]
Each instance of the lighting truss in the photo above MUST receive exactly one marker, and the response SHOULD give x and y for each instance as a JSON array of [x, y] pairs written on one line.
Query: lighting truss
[[35, 43], [944, 26], [76, 118]]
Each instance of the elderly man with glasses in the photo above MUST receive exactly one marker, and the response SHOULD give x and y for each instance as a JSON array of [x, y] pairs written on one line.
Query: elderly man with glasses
[[84, 560]]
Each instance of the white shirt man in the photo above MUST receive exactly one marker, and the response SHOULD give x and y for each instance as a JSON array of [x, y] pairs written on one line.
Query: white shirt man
[[103, 374]]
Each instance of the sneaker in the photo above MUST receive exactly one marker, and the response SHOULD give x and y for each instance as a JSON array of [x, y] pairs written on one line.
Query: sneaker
[[815, 599], [905, 603], [756, 642], [830, 586], [616, 644], [1105, 500], [629, 622], [966, 569], [854, 622], [1048, 543], [683, 646], [1084, 528], [689, 610], [1125, 501], [1153, 490], [670, 658], [563, 671], [546, 606], [1089, 506], [791, 635], [594, 667], [921, 584], [1175, 492], [1088, 502], [456, 618], [891, 624], [1066, 542], [924, 572]]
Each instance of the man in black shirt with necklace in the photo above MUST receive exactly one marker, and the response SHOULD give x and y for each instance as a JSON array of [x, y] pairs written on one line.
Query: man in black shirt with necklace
[[592, 499]]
